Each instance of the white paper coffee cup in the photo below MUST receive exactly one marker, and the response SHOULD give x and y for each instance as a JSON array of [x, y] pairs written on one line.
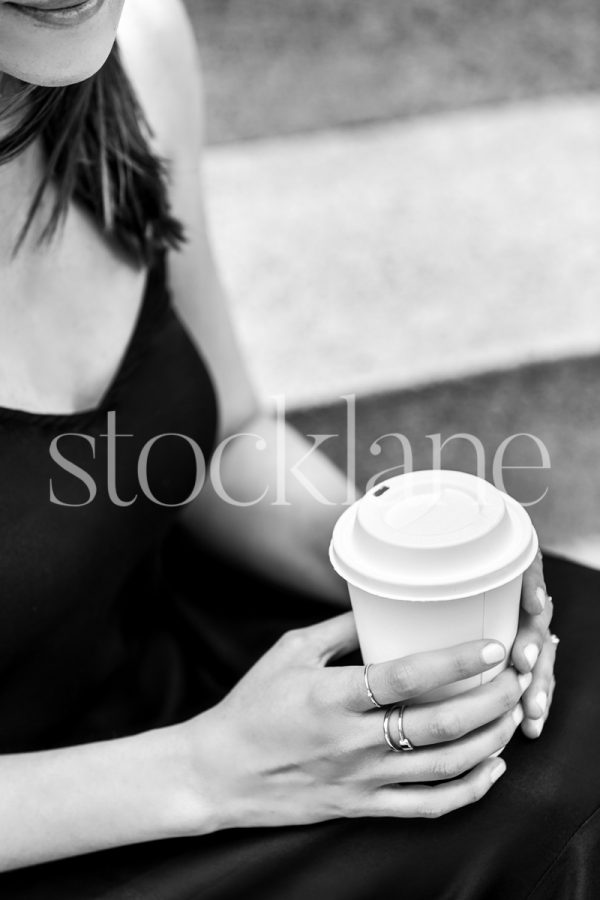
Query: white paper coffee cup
[[433, 559]]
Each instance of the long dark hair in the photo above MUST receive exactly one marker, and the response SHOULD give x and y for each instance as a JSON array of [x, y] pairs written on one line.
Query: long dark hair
[[95, 140]]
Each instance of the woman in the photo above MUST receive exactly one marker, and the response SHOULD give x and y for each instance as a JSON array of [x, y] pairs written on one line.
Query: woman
[[130, 708]]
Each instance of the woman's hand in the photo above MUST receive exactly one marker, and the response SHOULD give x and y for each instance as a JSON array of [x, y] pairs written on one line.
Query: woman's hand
[[534, 649], [296, 742]]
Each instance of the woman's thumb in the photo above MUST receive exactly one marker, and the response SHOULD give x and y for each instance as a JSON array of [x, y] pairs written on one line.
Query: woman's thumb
[[320, 643]]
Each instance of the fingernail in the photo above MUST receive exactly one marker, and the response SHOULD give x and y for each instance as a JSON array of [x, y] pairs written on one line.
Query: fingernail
[[541, 595], [542, 701], [493, 653], [498, 770], [524, 681], [536, 727], [517, 714], [531, 653]]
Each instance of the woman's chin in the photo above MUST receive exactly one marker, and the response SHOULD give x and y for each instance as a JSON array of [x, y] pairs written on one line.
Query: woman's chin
[[60, 75], [53, 57], [62, 79]]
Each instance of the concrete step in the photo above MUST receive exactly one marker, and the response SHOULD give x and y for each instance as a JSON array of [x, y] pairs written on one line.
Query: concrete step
[[382, 257]]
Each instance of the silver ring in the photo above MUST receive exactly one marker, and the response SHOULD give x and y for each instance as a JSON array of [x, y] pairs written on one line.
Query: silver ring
[[386, 730], [368, 687], [403, 741], [554, 639]]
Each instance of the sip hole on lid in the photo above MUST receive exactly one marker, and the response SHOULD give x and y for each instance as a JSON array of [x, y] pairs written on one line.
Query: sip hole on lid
[[381, 490]]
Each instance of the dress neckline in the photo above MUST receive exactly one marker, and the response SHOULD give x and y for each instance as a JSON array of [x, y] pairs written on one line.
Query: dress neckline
[[155, 275]]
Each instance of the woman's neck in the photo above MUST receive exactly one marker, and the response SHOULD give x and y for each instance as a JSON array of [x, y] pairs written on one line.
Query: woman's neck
[[19, 176], [19, 179], [10, 90]]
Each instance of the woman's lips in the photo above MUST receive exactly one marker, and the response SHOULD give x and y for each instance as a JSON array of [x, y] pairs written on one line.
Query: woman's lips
[[58, 12], [46, 4]]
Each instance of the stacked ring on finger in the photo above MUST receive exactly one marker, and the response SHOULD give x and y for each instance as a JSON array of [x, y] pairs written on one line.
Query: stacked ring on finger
[[370, 694], [403, 742]]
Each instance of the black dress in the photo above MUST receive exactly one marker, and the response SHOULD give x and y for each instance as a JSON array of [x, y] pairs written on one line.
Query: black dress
[[104, 631]]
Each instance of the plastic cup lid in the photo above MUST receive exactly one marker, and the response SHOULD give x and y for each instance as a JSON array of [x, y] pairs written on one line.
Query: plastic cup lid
[[432, 535]]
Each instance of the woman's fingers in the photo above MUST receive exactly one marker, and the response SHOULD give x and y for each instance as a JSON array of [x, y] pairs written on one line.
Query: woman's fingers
[[448, 720], [550, 698], [532, 728], [445, 761], [530, 638], [537, 699], [411, 676], [533, 593], [424, 801]]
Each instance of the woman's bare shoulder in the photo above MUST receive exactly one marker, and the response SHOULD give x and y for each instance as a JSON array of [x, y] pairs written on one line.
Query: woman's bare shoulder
[[160, 55]]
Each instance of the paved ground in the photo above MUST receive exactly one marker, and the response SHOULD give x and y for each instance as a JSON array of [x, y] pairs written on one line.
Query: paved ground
[[387, 256]]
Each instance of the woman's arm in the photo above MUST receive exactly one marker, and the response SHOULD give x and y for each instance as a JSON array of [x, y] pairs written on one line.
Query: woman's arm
[[67, 802], [286, 533], [286, 542], [313, 750]]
